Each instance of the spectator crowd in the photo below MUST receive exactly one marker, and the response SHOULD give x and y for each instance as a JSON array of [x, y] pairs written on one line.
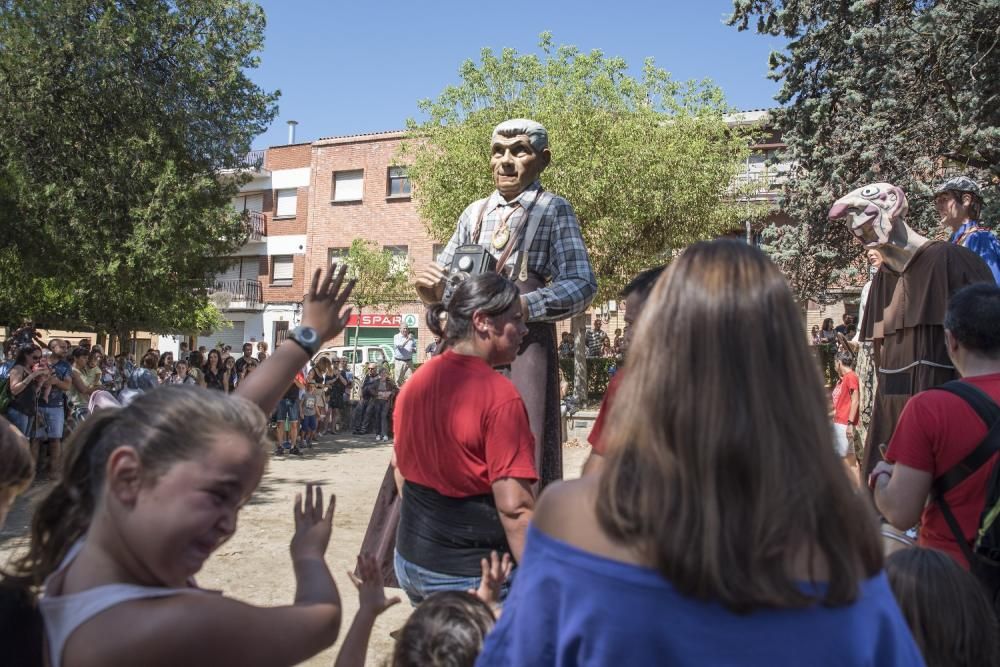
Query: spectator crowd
[[693, 537]]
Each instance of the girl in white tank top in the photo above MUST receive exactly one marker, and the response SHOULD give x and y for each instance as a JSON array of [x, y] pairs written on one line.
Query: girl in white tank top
[[142, 504]]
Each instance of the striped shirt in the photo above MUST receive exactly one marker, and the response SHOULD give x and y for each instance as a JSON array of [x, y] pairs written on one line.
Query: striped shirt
[[557, 253]]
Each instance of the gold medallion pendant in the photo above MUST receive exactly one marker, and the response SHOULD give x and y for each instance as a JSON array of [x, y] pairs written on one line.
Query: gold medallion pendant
[[501, 235]]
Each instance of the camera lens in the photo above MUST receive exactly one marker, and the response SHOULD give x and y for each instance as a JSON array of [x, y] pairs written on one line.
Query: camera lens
[[465, 263]]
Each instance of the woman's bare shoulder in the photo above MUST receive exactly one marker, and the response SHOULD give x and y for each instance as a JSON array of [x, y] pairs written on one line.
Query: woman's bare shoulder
[[567, 511], [564, 508]]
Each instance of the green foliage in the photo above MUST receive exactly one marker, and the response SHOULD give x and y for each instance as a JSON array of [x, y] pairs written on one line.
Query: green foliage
[[117, 117], [597, 374], [645, 162], [879, 90], [379, 278]]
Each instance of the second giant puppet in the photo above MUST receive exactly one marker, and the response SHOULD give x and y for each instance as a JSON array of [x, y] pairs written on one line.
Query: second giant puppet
[[906, 303], [535, 237]]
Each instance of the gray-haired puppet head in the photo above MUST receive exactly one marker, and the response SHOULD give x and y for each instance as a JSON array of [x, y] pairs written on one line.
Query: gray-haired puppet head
[[538, 136]]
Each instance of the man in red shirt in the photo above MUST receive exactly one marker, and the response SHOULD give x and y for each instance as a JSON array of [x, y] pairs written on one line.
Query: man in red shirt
[[937, 429], [846, 403], [635, 295]]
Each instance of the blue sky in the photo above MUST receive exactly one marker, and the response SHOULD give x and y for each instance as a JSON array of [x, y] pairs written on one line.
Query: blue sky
[[346, 68]]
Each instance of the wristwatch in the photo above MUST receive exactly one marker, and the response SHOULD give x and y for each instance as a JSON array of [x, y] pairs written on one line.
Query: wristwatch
[[307, 339]]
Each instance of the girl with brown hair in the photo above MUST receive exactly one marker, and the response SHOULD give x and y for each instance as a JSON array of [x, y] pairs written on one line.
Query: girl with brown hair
[[722, 530]]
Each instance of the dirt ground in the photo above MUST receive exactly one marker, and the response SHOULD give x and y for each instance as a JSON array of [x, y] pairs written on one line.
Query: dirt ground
[[254, 566]]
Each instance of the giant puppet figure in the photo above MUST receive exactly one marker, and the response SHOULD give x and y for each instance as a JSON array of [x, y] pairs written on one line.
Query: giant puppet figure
[[535, 237], [906, 303]]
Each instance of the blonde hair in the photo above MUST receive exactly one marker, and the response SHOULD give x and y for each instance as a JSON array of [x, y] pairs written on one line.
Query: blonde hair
[[157, 425], [721, 465]]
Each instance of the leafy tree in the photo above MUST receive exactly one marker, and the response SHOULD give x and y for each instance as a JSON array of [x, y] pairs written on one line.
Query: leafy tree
[[117, 118], [380, 279], [645, 162], [903, 91]]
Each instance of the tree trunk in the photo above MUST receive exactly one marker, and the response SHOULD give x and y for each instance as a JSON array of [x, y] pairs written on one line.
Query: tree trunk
[[578, 326]]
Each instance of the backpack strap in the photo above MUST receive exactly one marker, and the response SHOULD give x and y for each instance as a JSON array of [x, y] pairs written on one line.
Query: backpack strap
[[989, 412]]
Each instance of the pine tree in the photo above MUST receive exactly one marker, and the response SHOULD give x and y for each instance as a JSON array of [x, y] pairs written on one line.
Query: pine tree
[[901, 91]]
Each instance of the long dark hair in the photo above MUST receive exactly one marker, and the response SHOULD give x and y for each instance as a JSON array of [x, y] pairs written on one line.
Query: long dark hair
[[24, 353], [157, 426], [489, 293], [724, 507]]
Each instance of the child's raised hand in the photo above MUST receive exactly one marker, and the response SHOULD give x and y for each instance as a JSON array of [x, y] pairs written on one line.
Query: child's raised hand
[[495, 573], [312, 527], [371, 592], [322, 305]]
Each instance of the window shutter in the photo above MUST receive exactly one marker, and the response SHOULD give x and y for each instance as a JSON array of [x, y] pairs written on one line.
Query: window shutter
[[348, 185], [287, 201], [284, 268]]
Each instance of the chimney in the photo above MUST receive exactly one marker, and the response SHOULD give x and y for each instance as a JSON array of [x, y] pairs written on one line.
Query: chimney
[[291, 131]]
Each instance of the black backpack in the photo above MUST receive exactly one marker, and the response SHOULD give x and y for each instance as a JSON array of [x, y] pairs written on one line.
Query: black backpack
[[983, 554]]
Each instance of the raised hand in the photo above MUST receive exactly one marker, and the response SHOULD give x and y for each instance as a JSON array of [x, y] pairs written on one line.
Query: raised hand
[[495, 573], [312, 526], [371, 592], [322, 305]]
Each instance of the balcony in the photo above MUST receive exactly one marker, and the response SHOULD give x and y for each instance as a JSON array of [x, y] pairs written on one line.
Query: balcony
[[237, 294], [255, 223], [757, 185], [252, 162]]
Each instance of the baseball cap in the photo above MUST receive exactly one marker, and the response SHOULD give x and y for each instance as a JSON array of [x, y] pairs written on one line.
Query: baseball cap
[[959, 184]]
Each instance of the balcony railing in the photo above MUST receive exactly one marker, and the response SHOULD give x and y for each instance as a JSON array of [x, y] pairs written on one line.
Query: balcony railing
[[240, 289], [252, 161], [256, 224], [757, 184]]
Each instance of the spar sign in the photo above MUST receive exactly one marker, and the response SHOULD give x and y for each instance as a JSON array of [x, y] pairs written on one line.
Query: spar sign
[[383, 320]]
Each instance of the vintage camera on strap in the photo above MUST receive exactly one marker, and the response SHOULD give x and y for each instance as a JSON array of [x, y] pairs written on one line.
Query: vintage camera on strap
[[468, 261]]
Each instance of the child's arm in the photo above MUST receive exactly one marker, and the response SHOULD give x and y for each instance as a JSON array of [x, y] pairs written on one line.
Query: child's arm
[[322, 311], [371, 595]]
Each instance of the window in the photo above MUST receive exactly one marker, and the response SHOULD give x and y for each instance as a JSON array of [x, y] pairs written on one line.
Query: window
[[437, 250], [348, 185], [287, 201], [338, 255], [399, 183], [400, 258], [282, 270]]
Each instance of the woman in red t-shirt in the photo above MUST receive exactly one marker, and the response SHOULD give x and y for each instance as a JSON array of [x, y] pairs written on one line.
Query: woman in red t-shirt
[[464, 452], [846, 404]]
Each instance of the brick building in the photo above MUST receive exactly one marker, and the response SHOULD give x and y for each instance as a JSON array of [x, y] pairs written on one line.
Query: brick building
[[260, 293], [360, 191]]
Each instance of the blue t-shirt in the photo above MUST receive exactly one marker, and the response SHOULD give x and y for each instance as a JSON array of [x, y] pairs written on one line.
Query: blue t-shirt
[[5, 369], [57, 397], [984, 243], [569, 607]]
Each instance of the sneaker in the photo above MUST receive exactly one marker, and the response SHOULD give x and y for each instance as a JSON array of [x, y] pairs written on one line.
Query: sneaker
[[286, 445], [296, 451], [278, 451]]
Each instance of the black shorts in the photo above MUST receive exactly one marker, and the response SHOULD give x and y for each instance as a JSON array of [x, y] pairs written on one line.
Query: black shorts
[[336, 399]]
